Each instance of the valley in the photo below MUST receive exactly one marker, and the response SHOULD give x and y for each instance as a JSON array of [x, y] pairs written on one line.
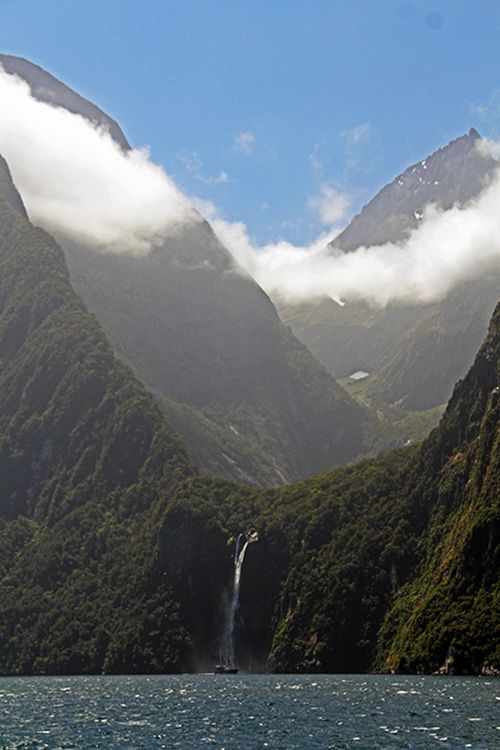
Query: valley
[[154, 406]]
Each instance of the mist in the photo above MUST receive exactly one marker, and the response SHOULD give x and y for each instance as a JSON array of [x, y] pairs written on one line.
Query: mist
[[77, 182]]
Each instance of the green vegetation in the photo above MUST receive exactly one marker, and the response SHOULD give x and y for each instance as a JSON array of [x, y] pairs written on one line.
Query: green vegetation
[[448, 615], [396, 426], [248, 399], [85, 458], [440, 347], [116, 556]]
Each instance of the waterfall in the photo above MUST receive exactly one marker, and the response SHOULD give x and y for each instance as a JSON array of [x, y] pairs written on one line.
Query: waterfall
[[239, 556]]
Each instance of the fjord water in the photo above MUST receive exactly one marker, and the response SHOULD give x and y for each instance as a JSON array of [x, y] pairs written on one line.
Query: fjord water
[[249, 712]]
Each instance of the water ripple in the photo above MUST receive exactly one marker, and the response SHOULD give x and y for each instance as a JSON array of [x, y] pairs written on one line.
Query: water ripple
[[248, 713]]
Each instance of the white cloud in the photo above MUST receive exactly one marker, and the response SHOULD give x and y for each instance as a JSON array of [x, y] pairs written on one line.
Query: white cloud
[[331, 205], [357, 135], [354, 139], [264, 262], [191, 160], [75, 180], [221, 178], [488, 111], [244, 142], [446, 248], [315, 160], [488, 147]]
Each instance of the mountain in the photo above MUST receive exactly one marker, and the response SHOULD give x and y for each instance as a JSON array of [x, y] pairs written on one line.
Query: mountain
[[249, 400], [453, 174], [390, 564], [8, 191], [48, 89], [447, 616], [439, 347], [398, 565], [203, 335], [116, 556], [414, 353], [85, 453]]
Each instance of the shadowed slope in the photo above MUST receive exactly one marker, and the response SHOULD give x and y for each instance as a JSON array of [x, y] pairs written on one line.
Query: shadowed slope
[[247, 397]]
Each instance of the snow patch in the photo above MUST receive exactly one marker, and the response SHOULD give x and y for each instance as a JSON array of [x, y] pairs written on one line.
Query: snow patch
[[359, 375]]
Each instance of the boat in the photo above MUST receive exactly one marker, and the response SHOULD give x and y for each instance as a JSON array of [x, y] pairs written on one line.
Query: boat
[[224, 669]]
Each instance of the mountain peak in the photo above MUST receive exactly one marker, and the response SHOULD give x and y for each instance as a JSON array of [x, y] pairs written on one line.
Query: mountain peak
[[46, 88], [452, 174]]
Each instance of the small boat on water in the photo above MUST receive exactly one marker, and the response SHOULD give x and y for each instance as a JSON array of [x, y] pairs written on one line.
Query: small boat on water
[[224, 669]]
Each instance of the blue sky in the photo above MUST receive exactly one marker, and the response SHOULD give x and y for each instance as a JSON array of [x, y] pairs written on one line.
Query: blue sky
[[287, 115]]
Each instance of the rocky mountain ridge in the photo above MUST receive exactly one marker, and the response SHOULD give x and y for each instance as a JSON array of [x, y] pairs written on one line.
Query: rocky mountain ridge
[[451, 175], [413, 352]]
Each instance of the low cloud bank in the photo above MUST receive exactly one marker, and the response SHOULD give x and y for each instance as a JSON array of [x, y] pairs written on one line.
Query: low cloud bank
[[76, 181], [446, 248]]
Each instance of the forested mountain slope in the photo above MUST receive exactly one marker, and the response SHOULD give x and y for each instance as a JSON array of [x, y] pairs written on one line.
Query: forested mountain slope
[[116, 556], [198, 331], [389, 564], [410, 540], [85, 453], [249, 400], [448, 617]]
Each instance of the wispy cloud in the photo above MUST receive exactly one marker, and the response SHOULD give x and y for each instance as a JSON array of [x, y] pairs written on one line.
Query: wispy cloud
[[354, 140], [315, 160], [488, 112], [194, 166], [355, 136], [221, 178], [330, 205], [244, 142], [190, 160]]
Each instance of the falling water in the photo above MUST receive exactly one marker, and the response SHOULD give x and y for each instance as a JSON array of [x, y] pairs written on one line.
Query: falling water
[[239, 556]]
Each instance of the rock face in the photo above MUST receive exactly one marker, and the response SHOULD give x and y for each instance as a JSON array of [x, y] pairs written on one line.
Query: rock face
[[415, 353], [8, 190], [248, 398]]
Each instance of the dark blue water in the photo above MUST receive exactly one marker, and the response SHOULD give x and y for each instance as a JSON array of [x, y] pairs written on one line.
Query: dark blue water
[[249, 713]]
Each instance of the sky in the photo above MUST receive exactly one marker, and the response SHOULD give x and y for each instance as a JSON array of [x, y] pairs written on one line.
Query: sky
[[286, 115]]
